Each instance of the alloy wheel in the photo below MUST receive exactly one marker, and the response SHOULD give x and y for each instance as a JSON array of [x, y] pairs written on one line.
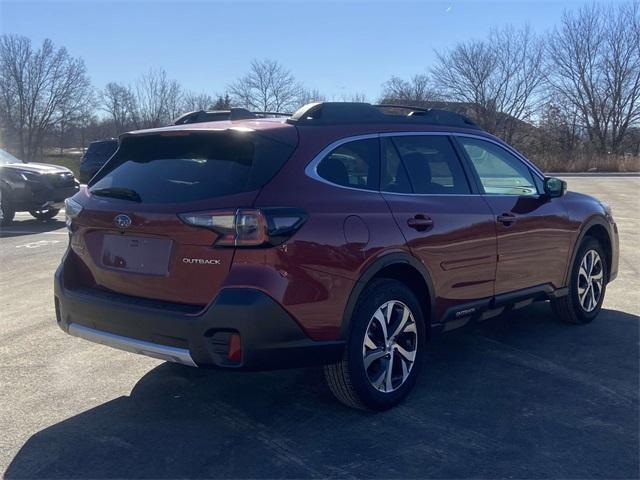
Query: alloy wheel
[[590, 280], [390, 346]]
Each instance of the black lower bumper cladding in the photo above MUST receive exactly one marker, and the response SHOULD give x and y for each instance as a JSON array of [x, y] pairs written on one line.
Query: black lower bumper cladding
[[270, 337]]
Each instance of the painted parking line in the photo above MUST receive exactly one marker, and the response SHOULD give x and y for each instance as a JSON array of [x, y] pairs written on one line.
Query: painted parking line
[[62, 231], [38, 244]]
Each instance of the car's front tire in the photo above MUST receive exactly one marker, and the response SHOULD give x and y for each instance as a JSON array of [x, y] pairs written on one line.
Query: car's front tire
[[47, 214], [587, 285], [385, 346]]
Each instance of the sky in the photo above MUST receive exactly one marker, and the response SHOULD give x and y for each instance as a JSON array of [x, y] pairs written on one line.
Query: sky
[[338, 47]]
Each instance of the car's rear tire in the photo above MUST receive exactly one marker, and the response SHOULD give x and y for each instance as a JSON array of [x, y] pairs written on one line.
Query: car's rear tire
[[587, 285], [387, 330], [47, 214], [7, 212]]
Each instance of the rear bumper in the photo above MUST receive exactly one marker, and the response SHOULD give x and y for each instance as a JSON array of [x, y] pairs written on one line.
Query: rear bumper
[[270, 338]]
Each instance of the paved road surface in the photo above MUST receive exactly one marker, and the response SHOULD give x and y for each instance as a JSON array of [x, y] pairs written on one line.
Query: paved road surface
[[519, 396]]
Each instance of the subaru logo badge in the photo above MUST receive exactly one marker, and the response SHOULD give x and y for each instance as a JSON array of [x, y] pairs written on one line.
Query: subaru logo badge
[[122, 221]]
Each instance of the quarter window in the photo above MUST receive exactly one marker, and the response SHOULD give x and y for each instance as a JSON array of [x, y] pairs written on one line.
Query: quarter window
[[432, 164], [500, 172], [354, 164]]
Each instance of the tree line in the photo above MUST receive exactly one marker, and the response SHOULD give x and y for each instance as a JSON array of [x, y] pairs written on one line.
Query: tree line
[[570, 95]]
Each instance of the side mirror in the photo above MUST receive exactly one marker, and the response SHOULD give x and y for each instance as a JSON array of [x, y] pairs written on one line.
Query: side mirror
[[554, 187]]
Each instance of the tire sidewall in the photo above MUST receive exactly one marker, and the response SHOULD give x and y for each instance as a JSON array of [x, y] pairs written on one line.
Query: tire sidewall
[[582, 315], [8, 212], [376, 296], [45, 215]]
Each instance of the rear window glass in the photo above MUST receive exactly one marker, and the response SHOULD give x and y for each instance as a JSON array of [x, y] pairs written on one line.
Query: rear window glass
[[101, 150], [197, 166]]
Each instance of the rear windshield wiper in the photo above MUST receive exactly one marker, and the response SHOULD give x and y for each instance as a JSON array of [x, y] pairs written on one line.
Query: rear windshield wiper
[[115, 192]]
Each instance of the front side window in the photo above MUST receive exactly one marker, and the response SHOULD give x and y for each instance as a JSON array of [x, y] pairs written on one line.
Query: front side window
[[500, 172], [432, 164], [354, 164]]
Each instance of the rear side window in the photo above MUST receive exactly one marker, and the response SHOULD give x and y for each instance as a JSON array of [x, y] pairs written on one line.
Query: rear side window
[[192, 167], [100, 151], [394, 175], [354, 164], [432, 164]]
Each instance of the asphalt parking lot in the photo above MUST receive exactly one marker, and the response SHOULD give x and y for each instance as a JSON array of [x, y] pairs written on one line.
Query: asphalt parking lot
[[518, 396]]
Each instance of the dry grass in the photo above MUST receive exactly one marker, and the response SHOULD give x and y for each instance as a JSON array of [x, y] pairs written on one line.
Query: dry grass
[[70, 158], [587, 163]]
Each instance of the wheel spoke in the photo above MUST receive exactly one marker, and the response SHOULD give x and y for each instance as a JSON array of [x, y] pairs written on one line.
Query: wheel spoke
[[409, 355], [378, 382], [406, 315], [582, 295], [369, 343], [411, 328], [405, 369], [371, 357], [583, 272], [593, 302], [379, 316], [389, 311], [388, 381]]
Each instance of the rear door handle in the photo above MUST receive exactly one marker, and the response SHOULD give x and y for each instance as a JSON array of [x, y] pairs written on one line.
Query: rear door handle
[[507, 219], [420, 222]]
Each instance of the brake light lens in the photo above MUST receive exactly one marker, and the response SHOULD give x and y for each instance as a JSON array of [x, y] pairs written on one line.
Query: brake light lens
[[249, 227], [71, 210]]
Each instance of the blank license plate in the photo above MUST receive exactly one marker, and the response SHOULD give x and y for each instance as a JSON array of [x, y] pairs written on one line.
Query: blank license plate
[[145, 255]]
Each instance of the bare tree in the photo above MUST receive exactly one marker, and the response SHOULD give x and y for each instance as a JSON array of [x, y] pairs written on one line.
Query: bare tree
[[192, 101], [415, 91], [310, 96], [595, 66], [356, 97], [39, 91], [158, 99], [499, 78], [268, 86], [119, 102]]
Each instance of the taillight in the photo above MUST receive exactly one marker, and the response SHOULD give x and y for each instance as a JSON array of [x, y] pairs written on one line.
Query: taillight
[[249, 227], [71, 210]]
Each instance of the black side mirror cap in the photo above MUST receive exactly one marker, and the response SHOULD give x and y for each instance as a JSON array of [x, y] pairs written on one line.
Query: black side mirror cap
[[554, 187]]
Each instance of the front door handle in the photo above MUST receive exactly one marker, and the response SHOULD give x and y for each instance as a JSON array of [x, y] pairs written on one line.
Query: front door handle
[[420, 222], [507, 219]]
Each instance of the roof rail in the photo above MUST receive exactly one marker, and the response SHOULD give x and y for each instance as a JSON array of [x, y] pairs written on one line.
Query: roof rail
[[335, 113], [218, 115]]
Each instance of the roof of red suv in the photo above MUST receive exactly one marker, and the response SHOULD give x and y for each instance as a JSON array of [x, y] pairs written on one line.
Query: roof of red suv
[[239, 125], [327, 114]]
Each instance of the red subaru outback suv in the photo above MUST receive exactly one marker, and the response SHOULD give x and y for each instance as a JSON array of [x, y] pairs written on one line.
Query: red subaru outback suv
[[347, 235]]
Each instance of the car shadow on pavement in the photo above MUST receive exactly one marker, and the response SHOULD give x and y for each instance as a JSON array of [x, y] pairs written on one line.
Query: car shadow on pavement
[[32, 226], [518, 396]]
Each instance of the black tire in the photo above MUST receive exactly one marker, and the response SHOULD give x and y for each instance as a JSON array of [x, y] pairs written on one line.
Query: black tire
[[569, 308], [348, 379], [45, 214], [8, 212]]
